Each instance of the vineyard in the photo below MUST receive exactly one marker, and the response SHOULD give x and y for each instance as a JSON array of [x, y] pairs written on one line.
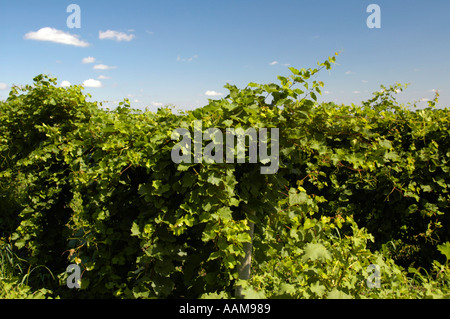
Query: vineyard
[[358, 188]]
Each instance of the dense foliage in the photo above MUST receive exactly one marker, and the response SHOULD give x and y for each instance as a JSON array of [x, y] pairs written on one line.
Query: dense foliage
[[357, 185]]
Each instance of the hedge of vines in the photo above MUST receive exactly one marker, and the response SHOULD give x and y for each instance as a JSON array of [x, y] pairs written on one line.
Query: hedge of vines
[[356, 185]]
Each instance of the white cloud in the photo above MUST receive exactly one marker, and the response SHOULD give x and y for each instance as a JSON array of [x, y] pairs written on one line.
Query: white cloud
[[65, 83], [157, 104], [91, 83], [273, 63], [424, 100], [365, 81], [213, 93], [57, 36], [349, 72], [327, 92], [103, 77], [3, 86], [149, 32], [187, 59], [115, 35], [356, 92], [103, 67], [89, 59]]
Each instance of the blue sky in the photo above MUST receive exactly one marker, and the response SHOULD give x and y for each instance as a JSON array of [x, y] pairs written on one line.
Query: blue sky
[[183, 52]]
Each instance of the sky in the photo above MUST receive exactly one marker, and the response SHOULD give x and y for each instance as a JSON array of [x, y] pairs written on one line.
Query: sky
[[183, 52]]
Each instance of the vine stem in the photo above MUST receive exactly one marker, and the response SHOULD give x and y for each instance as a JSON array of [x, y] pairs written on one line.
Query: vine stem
[[246, 261]]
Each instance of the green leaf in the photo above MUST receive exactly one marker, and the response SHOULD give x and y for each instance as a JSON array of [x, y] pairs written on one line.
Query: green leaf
[[20, 243], [160, 187], [253, 84], [315, 252], [393, 156], [228, 123], [244, 238], [188, 180], [287, 290], [445, 249], [214, 180], [215, 295], [386, 144], [250, 293], [183, 167], [318, 289], [297, 198], [214, 255], [309, 223], [337, 294], [294, 70], [224, 213], [135, 230]]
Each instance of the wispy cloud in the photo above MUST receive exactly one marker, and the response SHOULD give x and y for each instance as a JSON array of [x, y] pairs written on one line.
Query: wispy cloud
[[213, 93], [103, 67], [89, 59], [356, 92], [195, 56], [273, 63], [103, 77], [349, 72], [92, 83], [364, 81], [157, 104], [57, 36], [115, 35], [65, 84], [3, 86]]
